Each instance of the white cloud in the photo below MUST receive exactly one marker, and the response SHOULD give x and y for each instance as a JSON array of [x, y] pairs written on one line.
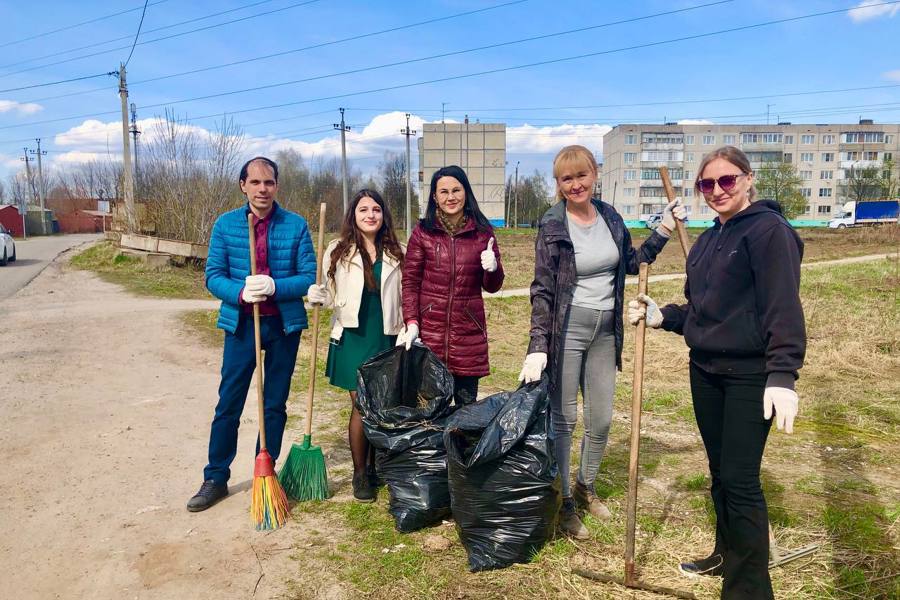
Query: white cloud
[[867, 10], [695, 122], [79, 157], [549, 139], [892, 75], [22, 108]]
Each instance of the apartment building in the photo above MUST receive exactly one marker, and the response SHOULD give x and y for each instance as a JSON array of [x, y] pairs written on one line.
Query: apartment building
[[479, 148], [823, 156]]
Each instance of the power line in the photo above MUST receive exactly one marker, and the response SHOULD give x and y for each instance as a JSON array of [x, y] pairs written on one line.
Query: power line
[[67, 27], [167, 37], [37, 85], [137, 35], [125, 37], [301, 49]]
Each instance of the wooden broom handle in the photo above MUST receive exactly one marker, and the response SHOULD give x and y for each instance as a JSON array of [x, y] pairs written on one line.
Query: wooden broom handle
[[256, 338], [320, 251], [637, 393], [679, 224]]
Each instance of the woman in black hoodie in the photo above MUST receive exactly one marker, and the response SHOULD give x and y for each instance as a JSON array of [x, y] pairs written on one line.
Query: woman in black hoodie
[[744, 325]]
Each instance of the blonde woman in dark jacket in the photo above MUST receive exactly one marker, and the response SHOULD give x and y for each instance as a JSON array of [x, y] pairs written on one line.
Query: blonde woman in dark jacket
[[582, 253]]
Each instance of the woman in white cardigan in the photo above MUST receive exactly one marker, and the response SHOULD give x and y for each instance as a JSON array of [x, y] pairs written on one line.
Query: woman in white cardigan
[[363, 270]]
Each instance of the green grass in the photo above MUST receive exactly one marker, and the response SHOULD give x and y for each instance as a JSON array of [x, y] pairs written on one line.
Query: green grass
[[106, 260]]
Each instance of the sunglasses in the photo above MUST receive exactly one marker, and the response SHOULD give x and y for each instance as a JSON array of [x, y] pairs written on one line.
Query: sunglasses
[[726, 182]]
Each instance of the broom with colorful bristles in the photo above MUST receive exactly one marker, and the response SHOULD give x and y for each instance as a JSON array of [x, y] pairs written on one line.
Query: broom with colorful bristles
[[303, 475], [268, 502]]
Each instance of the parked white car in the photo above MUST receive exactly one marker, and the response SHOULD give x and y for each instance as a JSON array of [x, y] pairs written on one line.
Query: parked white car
[[7, 247]]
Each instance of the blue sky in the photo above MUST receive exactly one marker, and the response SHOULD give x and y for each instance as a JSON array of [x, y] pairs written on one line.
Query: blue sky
[[629, 76]]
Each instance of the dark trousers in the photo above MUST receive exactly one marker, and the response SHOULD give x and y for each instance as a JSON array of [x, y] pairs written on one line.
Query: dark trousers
[[729, 411], [238, 364], [465, 389]]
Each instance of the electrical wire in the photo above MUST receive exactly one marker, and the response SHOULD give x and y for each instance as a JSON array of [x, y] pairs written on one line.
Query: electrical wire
[[137, 35]]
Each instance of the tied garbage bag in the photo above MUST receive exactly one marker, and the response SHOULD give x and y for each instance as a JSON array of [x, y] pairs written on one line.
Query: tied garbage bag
[[403, 397], [504, 483]]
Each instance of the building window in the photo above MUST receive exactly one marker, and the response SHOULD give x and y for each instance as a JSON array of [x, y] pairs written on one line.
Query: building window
[[824, 192], [709, 140], [851, 155], [807, 209], [630, 175], [806, 157], [688, 192], [789, 139], [728, 139], [889, 139], [630, 157], [704, 210], [761, 138], [828, 157], [806, 192], [888, 156], [688, 139], [788, 157], [824, 210], [628, 209], [807, 139], [804, 175], [689, 156], [826, 175], [628, 192], [827, 138], [870, 156], [688, 175], [631, 139], [863, 137]]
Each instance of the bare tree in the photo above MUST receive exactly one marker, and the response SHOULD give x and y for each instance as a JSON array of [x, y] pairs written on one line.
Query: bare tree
[[863, 183], [392, 173], [780, 182]]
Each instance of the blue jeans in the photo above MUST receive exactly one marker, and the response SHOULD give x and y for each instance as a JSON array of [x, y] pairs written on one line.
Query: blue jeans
[[238, 364]]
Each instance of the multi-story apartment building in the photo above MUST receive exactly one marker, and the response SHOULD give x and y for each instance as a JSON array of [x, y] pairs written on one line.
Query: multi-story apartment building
[[822, 154], [479, 148]]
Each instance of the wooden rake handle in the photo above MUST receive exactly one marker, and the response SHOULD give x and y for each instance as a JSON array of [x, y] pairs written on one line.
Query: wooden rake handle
[[679, 224], [320, 251], [637, 394], [256, 338]]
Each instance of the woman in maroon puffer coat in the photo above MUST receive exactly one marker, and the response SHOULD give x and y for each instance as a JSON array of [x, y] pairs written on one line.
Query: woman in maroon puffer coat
[[451, 256]]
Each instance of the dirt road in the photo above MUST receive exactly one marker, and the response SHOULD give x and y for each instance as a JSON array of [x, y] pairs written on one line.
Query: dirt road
[[105, 404]]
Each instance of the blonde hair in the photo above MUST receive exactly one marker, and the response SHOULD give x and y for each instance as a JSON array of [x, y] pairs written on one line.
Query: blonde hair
[[733, 155], [573, 157]]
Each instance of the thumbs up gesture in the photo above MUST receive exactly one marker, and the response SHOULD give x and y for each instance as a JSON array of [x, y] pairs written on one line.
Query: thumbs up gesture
[[488, 258]]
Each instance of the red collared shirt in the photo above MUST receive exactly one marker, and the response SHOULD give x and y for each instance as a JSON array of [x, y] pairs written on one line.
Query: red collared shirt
[[268, 308]]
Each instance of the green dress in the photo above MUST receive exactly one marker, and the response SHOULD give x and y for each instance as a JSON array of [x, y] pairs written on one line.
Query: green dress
[[359, 344]]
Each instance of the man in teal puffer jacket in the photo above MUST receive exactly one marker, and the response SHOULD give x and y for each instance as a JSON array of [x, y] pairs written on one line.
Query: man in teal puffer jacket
[[286, 267]]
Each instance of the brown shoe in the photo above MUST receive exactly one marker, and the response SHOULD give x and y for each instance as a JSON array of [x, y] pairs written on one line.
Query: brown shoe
[[588, 501], [569, 522]]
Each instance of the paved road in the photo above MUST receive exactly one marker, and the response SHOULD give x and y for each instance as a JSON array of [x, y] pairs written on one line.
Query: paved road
[[33, 255]]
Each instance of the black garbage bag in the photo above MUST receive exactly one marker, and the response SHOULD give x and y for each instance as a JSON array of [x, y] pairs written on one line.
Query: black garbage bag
[[403, 397], [505, 488]]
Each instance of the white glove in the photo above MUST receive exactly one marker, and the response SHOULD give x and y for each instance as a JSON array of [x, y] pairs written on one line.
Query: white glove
[[318, 294], [785, 402], [408, 336], [534, 365], [644, 306], [251, 297], [488, 259], [260, 284], [673, 210]]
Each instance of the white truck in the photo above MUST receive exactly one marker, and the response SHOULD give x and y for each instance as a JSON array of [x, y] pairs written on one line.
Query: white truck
[[875, 212]]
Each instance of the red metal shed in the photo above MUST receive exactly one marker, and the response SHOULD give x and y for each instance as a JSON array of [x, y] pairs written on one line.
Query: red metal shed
[[11, 219]]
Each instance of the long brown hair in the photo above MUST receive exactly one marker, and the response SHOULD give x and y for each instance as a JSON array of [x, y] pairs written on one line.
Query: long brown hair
[[352, 240], [733, 155]]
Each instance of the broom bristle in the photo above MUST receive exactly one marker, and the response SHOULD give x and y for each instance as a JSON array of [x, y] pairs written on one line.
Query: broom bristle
[[304, 475], [268, 504]]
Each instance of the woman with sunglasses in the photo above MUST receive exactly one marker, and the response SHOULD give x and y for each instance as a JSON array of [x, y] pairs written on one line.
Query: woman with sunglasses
[[452, 256], [363, 270], [582, 253], [743, 323]]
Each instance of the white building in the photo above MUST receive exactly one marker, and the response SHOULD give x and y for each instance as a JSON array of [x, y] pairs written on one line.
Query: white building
[[822, 154]]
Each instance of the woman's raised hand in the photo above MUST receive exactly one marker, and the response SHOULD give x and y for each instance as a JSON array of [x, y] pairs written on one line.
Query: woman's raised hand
[[488, 258]]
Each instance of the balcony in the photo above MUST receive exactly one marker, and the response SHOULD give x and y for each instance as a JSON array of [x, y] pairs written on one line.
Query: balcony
[[860, 164]]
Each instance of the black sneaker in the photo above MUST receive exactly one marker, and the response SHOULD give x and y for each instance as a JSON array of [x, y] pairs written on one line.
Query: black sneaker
[[362, 488], [210, 493], [374, 479], [711, 566]]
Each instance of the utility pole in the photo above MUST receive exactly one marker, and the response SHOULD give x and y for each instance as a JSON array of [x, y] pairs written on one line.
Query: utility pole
[[26, 158], [135, 132], [516, 201], [768, 106], [344, 129], [41, 191], [408, 132], [127, 179]]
